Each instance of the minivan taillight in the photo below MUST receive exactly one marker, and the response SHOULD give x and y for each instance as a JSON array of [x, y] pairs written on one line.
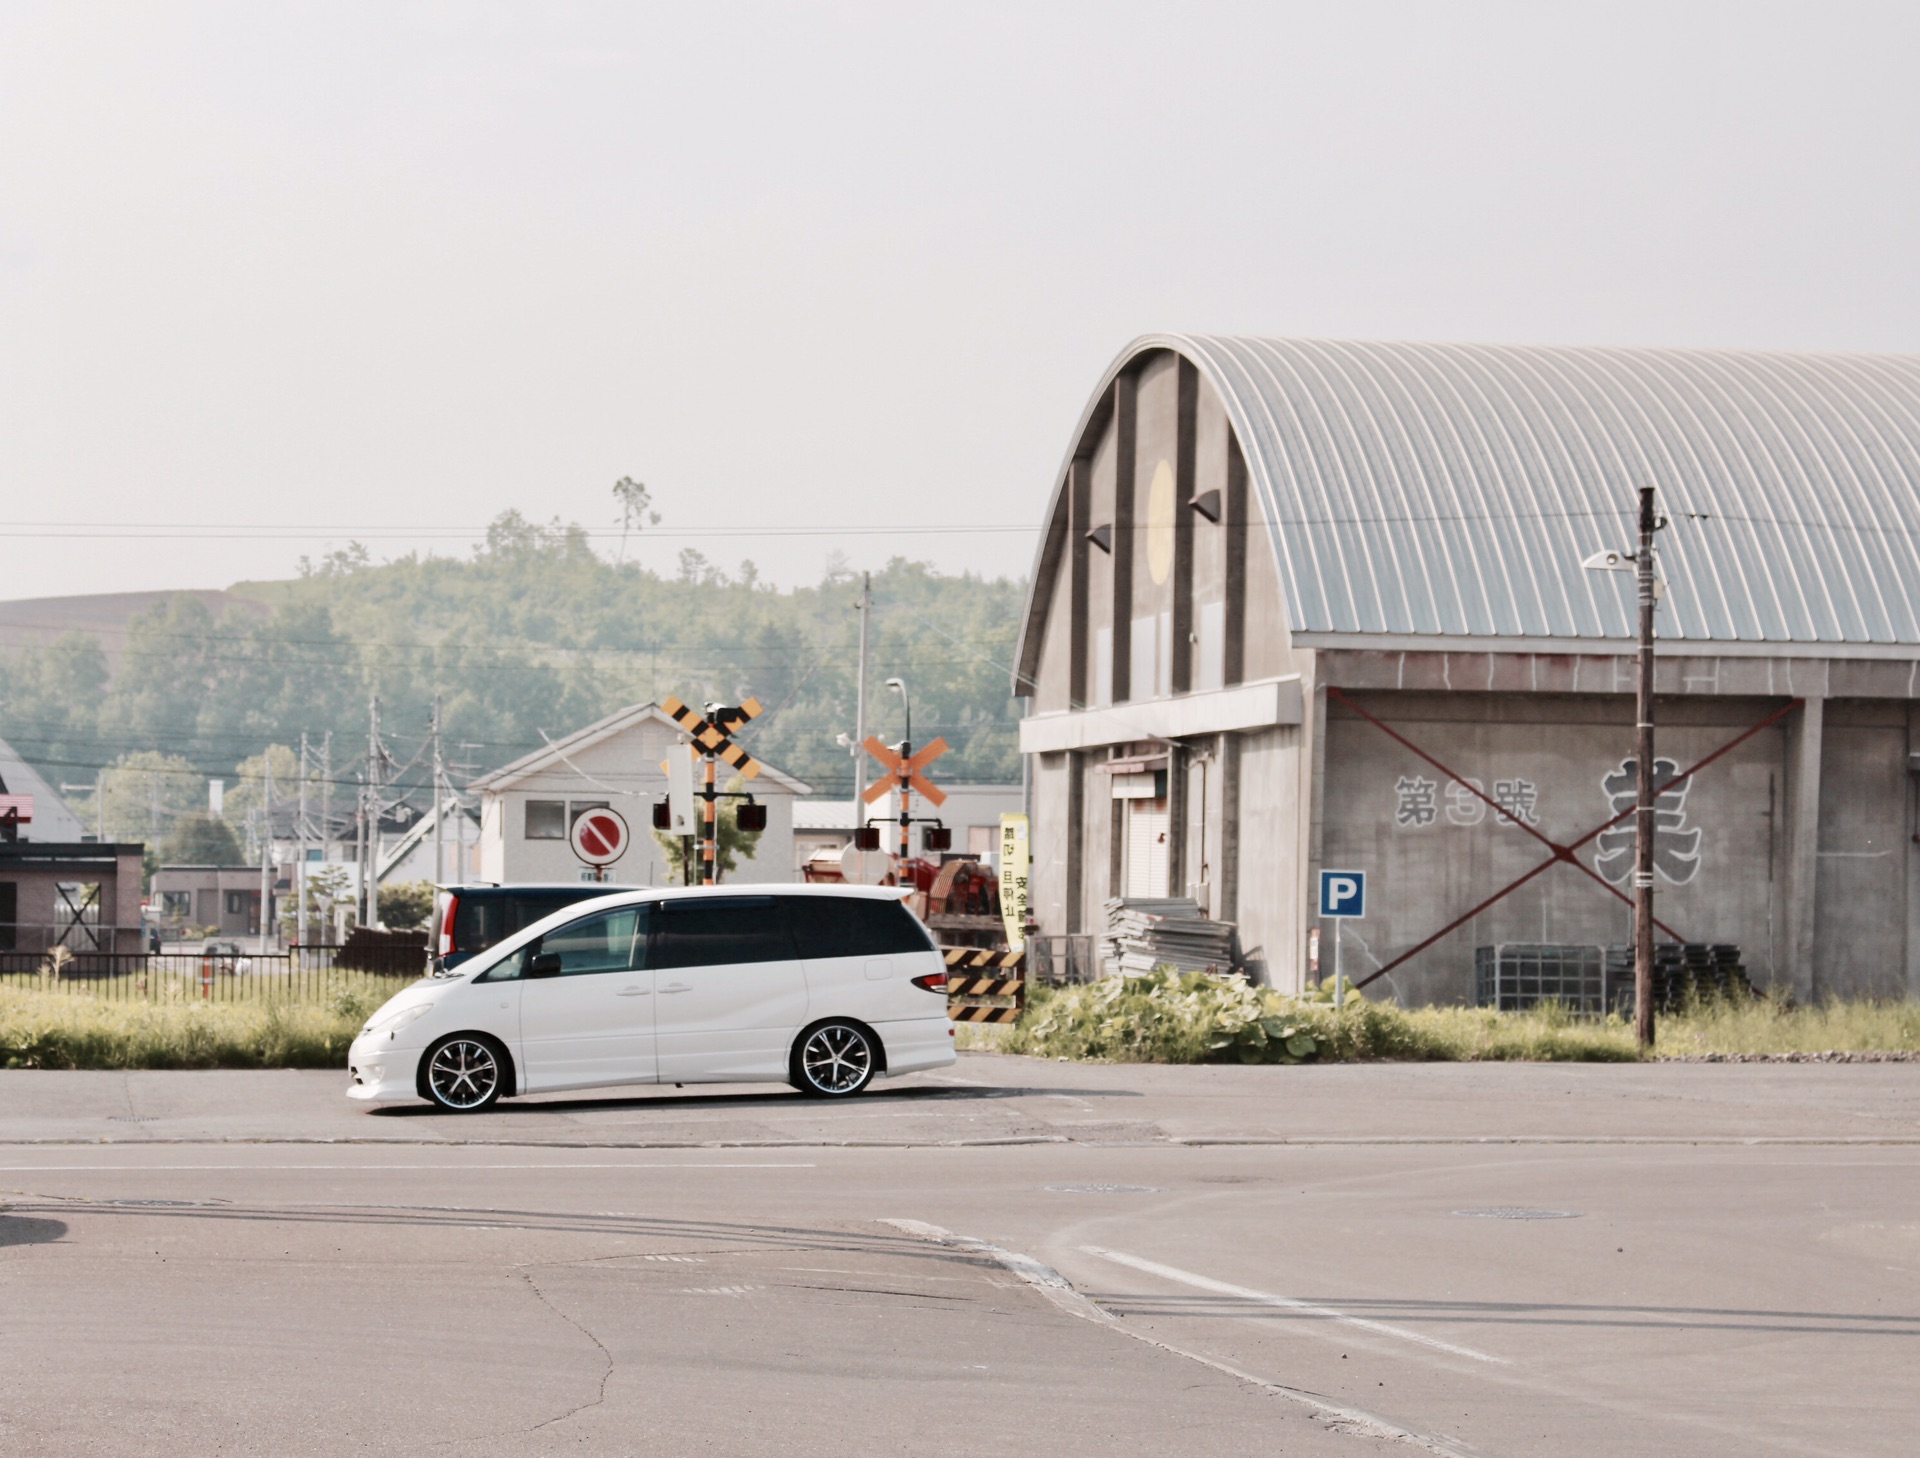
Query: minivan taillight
[[446, 925], [933, 981]]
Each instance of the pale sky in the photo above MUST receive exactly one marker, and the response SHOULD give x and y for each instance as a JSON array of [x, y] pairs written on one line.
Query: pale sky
[[274, 276]]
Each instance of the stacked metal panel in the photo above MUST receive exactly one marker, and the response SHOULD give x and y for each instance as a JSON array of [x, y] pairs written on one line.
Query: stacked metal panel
[[1148, 932], [1680, 970]]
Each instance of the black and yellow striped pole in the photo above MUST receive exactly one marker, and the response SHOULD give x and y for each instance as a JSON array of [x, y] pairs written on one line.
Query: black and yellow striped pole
[[709, 826]]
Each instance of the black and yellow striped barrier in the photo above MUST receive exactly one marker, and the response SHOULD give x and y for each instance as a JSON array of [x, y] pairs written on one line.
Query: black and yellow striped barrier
[[974, 975]]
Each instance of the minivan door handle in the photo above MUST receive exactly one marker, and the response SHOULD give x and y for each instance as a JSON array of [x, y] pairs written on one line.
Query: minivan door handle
[[678, 987], [633, 992]]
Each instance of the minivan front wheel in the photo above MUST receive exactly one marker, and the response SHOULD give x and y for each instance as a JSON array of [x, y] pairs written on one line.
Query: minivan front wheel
[[834, 1060], [463, 1074]]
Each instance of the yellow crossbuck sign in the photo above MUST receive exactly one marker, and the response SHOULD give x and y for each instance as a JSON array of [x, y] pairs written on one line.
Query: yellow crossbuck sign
[[974, 975], [711, 735], [715, 738]]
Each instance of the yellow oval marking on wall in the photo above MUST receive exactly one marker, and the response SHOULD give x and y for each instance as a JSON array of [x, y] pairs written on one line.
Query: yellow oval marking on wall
[[1160, 515]]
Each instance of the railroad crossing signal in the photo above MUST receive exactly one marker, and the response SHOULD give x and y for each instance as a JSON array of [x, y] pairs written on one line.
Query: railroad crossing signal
[[903, 767], [714, 732], [903, 772], [712, 735]]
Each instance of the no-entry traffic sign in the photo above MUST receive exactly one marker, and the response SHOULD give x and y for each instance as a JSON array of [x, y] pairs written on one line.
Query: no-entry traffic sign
[[599, 837]]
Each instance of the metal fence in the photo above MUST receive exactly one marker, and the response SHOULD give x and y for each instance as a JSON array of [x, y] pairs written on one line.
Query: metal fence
[[1062, 959], [298, 974]]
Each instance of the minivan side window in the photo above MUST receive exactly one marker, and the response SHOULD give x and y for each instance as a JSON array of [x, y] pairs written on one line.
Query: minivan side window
[[716, 931], [611, 941], [854, 926]]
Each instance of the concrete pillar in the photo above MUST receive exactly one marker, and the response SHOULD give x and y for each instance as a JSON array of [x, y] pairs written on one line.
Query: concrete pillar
[[1913, 856], [1800, 855]]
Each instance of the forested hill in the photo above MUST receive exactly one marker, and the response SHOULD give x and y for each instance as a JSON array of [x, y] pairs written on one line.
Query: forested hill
[[533, 634]]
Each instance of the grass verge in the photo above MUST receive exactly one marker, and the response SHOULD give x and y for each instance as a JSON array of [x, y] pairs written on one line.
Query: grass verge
[[1167, 1018], [67, 1030]]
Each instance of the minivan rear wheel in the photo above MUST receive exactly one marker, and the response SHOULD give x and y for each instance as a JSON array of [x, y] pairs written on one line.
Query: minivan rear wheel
[[833, 1060], [463, 1074]]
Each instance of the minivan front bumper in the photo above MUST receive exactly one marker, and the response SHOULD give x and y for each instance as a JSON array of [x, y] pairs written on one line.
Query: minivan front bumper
[[378, 1072]]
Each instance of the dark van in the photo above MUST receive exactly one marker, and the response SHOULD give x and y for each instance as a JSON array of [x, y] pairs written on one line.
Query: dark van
[[470, 919]]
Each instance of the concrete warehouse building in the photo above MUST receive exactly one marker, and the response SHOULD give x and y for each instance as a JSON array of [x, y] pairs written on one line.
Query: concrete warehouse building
[[1294, 597]]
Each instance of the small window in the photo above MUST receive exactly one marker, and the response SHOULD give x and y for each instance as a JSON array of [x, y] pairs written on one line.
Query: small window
[[236, 902], [980, 839], [9, 913], [854, 926], [176, 905], [478, 922], [718, 931], [577, 808], [607, 942], [546, 820]]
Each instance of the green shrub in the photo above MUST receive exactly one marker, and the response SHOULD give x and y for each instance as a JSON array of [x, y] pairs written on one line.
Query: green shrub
[[60, 1030], [1169, 1017], [1166, 1017]]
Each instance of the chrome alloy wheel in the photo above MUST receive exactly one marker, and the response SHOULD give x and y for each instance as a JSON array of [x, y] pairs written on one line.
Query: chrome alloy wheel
[[463, 1074], [837, 1059]]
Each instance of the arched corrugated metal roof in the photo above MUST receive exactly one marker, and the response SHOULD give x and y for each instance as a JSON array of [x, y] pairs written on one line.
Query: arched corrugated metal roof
[[1453, 489]]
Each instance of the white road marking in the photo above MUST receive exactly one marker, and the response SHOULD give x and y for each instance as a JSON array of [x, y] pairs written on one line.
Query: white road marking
[[437, 1168], [1285, 1303], [1058, 1289]]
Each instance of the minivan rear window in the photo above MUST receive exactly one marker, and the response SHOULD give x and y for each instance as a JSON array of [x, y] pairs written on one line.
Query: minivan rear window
[[490, 916], [854, 926], [713, 931]]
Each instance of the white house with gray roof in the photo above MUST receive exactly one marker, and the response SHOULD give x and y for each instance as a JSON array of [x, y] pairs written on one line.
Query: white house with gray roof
[[528, 807]]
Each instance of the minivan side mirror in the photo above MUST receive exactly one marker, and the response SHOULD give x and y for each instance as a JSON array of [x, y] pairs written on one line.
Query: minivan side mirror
[[544, 964]]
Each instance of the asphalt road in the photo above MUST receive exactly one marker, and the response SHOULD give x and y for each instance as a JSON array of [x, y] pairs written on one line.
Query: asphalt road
[[1008, 1258]]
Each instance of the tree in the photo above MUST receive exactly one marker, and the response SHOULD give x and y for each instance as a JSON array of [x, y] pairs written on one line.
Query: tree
[[327, 887], [406, 905], [143, 796], [730, 843], [246, 795], [200, 840], [635, 510]]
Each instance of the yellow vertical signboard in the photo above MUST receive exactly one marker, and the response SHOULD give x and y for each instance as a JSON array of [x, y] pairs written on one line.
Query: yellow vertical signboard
[[1013, 880]]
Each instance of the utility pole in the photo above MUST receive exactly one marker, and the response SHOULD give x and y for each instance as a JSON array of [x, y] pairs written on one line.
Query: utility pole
[[266, 850], [439, 796], [1643, 813], [1645, 823], [860, 698], [371, 872], [326, 809], [899, 686], [300, 866]]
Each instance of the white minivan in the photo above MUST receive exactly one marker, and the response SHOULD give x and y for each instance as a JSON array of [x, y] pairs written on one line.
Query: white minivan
[[822, 987]]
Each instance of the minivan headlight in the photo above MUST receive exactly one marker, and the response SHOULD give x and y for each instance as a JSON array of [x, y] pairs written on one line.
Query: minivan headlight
[[393, 1022]]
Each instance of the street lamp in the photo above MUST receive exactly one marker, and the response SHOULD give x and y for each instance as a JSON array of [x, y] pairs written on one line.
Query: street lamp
[[1641, 562], [899, 686]]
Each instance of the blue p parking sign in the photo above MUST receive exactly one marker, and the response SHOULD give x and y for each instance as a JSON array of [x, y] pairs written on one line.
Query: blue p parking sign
[[1343, 893]]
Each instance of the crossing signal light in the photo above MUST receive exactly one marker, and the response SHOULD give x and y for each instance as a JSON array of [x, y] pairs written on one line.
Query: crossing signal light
[[662, 816], [866, 837], [752, 816], [939, 838]]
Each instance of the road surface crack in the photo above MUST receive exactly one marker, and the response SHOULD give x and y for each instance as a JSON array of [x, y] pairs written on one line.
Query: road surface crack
[[606, 1356]]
